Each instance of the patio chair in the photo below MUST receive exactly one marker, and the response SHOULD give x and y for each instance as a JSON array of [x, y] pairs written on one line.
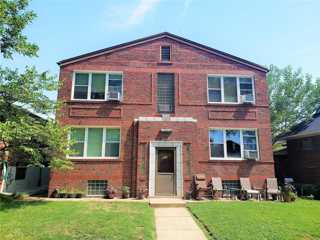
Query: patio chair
[[273, 188], [216, 187], [200, 186], [249, 191]]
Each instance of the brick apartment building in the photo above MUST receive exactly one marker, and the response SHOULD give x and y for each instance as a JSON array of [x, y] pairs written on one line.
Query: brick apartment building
[[155, 111]]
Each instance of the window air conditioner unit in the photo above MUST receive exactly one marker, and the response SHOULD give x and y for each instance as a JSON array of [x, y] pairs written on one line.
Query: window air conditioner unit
[[245, 99], [113, 96], [164, 108], [250, 155]]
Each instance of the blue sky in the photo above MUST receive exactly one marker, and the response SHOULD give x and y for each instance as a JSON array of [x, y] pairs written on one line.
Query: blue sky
[[266, 32]]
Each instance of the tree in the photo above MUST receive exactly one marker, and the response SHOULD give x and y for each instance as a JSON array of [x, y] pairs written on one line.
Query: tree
[[294, 97], [21, 133]]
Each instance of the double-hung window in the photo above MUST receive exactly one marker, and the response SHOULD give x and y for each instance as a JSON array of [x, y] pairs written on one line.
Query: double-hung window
[[96, 86], [95, 142], [230, 89], [234, 144]]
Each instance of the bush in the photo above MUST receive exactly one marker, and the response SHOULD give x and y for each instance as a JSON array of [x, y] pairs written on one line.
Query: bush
[[289, 193]]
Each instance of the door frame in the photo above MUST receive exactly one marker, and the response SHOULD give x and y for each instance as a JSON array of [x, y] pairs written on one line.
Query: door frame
[[174, 171], [152, 165]]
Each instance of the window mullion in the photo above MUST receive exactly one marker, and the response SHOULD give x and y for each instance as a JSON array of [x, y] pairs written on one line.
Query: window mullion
[[224, 144], [104, 142], [85, 142], [241, 144], [238, 89], [89, 86], [106, 86], [222, 88]]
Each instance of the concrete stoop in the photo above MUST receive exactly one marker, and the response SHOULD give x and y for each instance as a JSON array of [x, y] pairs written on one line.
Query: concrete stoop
[[167, 202]]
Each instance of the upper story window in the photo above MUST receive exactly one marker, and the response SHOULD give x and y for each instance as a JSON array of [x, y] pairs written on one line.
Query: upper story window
[[165, 91], [165, 53], [97, 86], [95, 142], [230, 89], [234, 144]]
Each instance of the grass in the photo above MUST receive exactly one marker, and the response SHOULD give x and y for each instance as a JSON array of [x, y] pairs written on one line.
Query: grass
[[76, 220], [260, 220]]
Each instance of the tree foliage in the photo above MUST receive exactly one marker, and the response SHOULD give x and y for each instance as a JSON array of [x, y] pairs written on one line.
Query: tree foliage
[[22, 133], [13, 19], [294, 97]]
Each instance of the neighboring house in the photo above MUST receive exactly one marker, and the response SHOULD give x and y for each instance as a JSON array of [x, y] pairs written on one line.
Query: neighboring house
[[300, 159], [153, 112], [18, 176]]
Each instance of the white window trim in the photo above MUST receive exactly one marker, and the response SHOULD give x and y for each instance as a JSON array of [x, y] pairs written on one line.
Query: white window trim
[[89, 86], [238, 88], [225, 158], [103, 142]]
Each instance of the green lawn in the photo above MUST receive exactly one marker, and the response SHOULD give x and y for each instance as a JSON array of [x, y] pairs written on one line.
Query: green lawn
[[76, 220], [260, 220]]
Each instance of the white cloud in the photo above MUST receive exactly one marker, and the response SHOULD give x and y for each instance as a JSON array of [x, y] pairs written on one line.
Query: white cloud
[[141, 10], [128, 15]]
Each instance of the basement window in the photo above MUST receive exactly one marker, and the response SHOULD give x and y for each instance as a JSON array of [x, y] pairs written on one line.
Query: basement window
[[97, 187]]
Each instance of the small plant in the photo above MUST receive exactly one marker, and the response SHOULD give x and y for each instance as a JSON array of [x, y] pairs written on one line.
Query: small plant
[[79, 193], [125, 192], [21, 196], [142, 193], [55, 193], [110, 192], [289, 193], [63, 193]]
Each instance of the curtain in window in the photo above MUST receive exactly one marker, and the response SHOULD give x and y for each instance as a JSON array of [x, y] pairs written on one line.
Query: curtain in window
[[233, 143], [246, 88], [98, 84], [94, 142], [230, 89]]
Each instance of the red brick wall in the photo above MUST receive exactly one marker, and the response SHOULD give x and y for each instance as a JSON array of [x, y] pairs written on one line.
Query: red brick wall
[[139, 65]]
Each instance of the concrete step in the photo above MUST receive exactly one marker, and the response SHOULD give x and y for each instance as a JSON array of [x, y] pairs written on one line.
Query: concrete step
[[167, 202]]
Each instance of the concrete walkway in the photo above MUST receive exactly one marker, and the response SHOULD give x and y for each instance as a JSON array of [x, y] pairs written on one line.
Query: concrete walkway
[[176, 223]]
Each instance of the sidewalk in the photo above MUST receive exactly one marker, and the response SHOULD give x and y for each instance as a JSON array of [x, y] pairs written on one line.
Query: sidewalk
[[177, 224]]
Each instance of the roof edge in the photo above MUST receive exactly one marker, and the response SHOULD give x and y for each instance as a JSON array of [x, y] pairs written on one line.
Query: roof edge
[[161, 35]]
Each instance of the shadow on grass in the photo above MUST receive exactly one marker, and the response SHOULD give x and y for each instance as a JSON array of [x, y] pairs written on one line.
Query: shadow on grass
[[6, 205]]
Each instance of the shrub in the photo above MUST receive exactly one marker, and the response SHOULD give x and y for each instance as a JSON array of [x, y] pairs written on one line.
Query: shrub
[[289, 193], [125, 191]]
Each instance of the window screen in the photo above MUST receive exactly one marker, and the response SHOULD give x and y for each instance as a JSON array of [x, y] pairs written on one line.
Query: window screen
[[165, 53], [115, 83], [246, 88], [97, 187], [165, 92]]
